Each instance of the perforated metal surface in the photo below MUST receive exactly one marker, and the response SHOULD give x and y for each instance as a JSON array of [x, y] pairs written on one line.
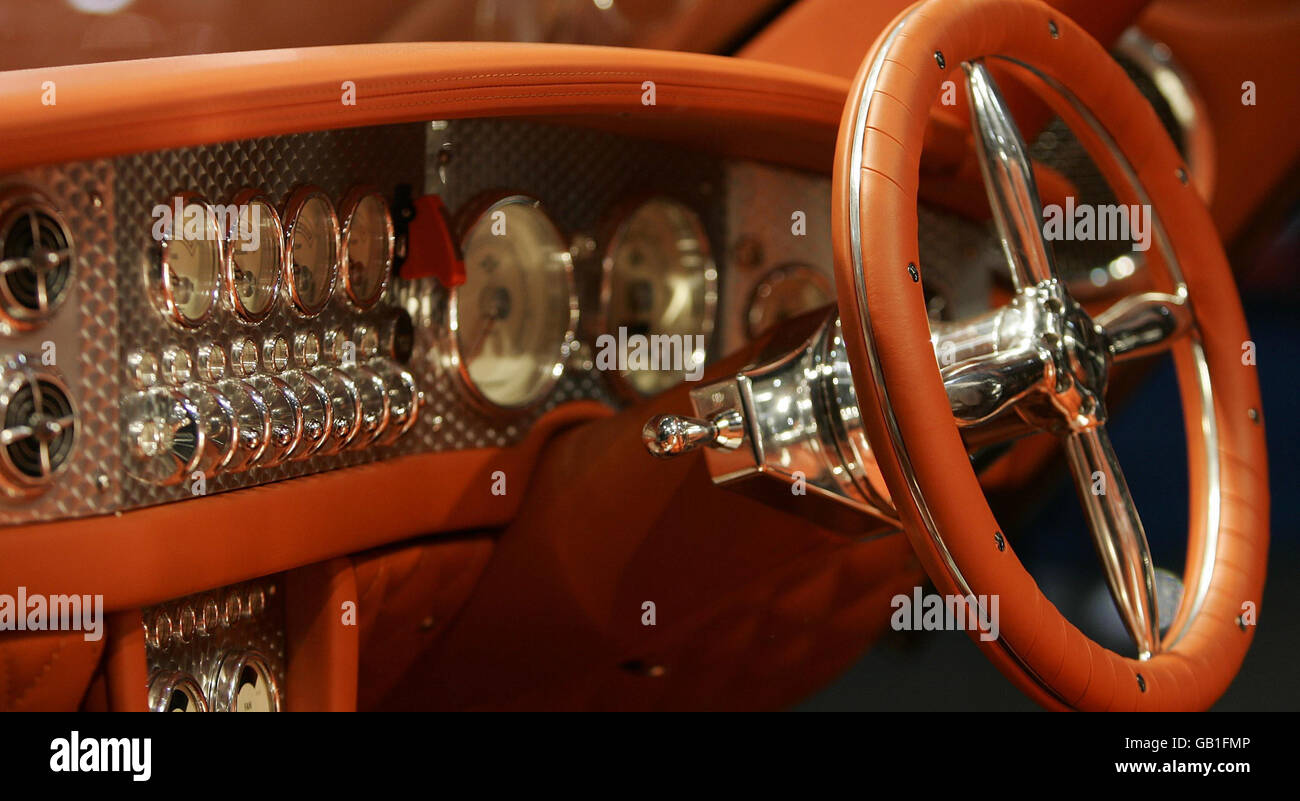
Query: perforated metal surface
[[957, 255], [383, 156], [583, 178], [194, 634], [81, 341]]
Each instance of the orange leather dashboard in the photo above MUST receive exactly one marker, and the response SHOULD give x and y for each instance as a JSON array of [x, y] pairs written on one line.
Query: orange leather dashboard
[[770, 112]]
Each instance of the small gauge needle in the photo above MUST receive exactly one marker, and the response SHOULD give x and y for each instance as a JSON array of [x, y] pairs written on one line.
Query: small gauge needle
[[493, 314]]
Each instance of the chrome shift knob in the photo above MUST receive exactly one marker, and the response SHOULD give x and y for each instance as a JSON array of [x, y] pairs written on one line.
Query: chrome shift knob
[[667, 435]]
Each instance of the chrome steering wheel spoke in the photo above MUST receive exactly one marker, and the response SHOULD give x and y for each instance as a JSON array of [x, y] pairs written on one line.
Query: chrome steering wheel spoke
[[1008, 180], [1117, 533], [1146, 324]]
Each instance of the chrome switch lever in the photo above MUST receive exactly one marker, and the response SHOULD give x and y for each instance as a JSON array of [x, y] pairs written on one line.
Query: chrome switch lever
[[667, 435]]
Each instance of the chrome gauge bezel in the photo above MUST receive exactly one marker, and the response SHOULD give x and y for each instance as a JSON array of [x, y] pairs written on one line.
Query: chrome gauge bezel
[[243, 198], [177, 402], [224, 692], [348, 209], [470, 218], [293, 208], [157, 275], [164, 683], [616, 229]]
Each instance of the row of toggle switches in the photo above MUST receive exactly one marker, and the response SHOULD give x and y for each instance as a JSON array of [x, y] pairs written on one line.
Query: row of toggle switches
[[207, 413]]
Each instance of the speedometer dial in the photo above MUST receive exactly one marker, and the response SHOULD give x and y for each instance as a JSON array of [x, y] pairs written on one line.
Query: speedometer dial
[[367, 247], [661, 284], [512, 320], [311, 230], [183, 280], [254, 255]]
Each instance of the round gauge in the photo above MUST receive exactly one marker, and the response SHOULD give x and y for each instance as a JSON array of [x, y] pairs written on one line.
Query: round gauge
[[367, 247], [311, 250], [176, 691], [512, 320], [786, 292], [660, 280], [183, 282], [254, 256], [245, 683]]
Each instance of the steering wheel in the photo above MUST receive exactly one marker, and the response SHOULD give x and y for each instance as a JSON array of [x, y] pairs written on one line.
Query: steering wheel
[[1042, 362]]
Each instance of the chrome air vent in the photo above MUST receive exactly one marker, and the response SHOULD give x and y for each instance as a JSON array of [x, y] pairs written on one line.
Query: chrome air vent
[[40, 427], [37, 259]]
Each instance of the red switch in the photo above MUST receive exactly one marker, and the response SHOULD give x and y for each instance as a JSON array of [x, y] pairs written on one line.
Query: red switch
[[431, 248]]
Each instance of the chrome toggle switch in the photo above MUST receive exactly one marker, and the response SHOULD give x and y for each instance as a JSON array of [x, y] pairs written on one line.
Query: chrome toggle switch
[[668, 435]]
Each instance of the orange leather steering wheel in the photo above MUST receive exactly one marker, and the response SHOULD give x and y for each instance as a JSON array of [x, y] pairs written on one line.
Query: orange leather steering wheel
[[1042, 362]]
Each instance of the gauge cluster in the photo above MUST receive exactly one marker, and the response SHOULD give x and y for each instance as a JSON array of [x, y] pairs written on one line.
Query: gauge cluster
[[218, 651], [187, 322]]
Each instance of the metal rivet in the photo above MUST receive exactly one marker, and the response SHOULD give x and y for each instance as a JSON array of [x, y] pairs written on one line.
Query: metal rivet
[[1053, 30], [1241, 622], [102, 483], [911, 270], [1000, 540], [1253, 414], [938, 59], [1181, 172], [1142, 683]]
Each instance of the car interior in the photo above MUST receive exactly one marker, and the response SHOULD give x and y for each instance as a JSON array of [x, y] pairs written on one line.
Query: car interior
[[633, 355]]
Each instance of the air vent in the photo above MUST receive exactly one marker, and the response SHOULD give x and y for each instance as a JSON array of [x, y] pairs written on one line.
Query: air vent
[[40, 427], [37, 259]]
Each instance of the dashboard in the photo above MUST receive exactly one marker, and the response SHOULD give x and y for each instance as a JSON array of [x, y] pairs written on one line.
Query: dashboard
[[193, 321]]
